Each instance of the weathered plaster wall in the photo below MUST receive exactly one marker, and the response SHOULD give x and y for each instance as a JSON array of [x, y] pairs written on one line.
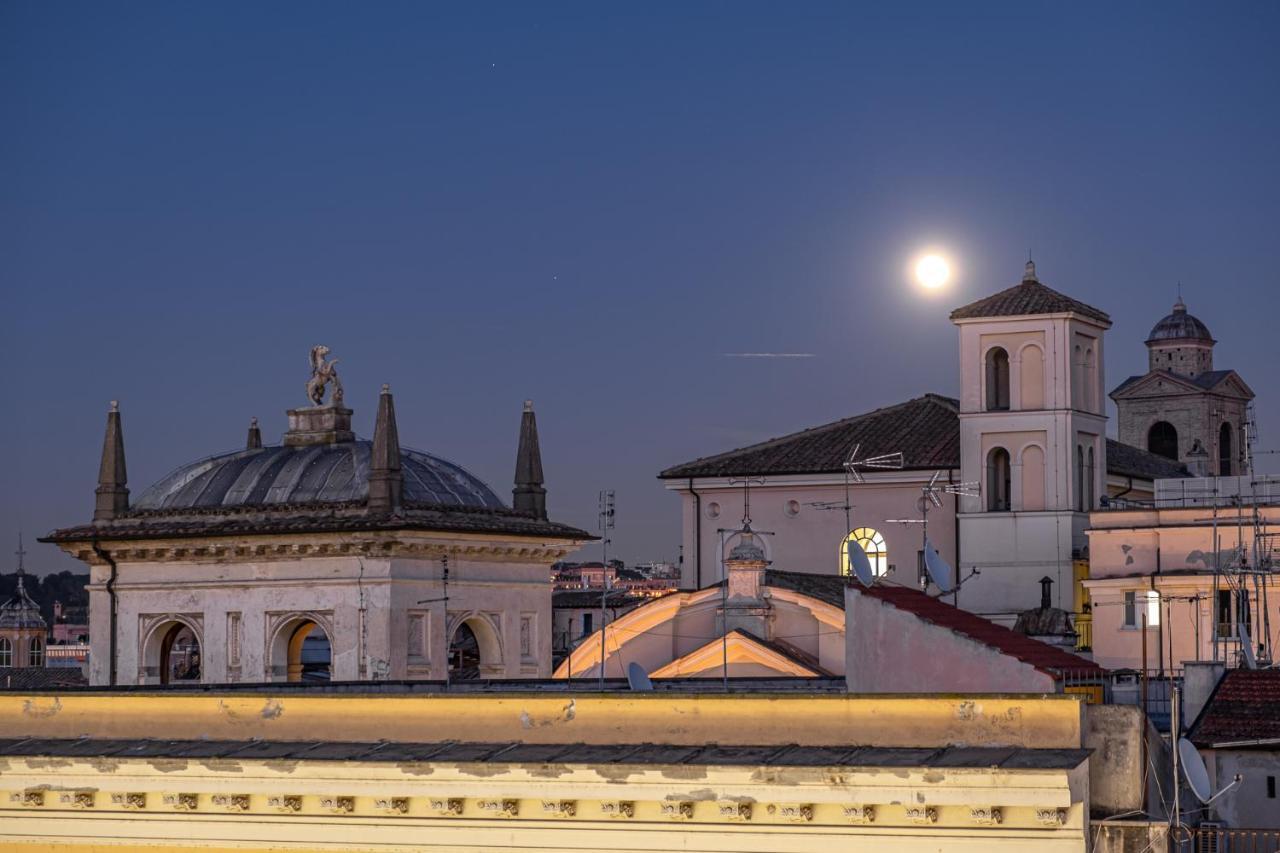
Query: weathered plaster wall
[[889, 651], [1247, 806]]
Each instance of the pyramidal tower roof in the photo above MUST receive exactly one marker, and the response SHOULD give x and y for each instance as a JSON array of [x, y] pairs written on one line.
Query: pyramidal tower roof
[[1029, 297]]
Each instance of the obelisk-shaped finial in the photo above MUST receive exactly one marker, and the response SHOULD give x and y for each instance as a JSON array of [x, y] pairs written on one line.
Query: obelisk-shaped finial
[[529, 495], [254, 440], [112, 494], [386, 482]]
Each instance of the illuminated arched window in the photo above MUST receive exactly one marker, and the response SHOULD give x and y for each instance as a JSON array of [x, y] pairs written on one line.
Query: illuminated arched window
[[872, 543], [6, 652], [35, 652]]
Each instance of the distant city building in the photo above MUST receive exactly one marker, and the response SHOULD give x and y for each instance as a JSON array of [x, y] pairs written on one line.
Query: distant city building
[[70, 624], [1182, 408], [325, 556], [23, 632]]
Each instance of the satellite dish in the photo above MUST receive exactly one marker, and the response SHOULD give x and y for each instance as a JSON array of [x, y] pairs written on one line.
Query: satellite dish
[[1193, 768], [637, 678], [1246, 646], [939, 572], [859, 562]]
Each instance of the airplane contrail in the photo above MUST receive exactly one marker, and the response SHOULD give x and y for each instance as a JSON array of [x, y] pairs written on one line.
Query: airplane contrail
[[769, 355]]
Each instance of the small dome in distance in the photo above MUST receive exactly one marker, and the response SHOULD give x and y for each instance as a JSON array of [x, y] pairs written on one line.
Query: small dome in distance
[[1180, 326]]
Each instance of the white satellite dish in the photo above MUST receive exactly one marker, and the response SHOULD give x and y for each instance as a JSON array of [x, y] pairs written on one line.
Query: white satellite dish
[[1193, 768], [939, 571], [1246, 646], [859, 562], [637, 678]]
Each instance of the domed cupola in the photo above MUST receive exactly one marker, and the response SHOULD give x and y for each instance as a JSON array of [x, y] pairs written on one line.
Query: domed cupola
[[1181, 343]]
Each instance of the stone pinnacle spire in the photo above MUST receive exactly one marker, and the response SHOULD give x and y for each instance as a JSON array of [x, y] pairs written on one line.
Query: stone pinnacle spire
[[529, 496], [386, 482], [112, 494], [254, 441]]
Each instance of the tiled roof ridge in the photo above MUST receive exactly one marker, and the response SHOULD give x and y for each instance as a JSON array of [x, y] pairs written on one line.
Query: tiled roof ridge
[[928, 397], [1240, 709]]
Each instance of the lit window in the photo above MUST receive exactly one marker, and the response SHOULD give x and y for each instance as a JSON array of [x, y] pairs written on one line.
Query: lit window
[[1138, 602], [872, 543]]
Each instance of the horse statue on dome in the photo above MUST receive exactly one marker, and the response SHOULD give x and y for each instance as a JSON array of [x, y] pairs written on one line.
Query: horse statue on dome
[[322, 373]]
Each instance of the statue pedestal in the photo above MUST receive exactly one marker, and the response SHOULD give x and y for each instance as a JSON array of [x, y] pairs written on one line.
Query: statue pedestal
[[319, 425]]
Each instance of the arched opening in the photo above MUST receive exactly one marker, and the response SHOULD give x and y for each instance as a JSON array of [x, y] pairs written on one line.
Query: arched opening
[[179, 655], [464, 654], [1224, 451], [1089, 497], [1090, 386], [872, 543], [6, 652], [1033, 478], [310, 657], [997, 379], [998, 480], [1162, 440], [35, 652]]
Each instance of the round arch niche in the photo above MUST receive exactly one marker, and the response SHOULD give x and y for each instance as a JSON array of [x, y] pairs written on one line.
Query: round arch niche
[[302, 651], [171, 654], [475, 649]]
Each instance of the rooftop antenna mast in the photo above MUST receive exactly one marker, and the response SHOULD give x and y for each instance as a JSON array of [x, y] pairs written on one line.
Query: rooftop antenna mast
[[605, 523], [936, 568], [444, 598], [745, 530], [855, 561]]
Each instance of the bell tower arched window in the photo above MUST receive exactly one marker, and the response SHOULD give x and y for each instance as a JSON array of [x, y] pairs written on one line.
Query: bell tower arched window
[[1224, 451], [1162, 440], [997, 379], [35, 652], [6, 652], [998, 480]]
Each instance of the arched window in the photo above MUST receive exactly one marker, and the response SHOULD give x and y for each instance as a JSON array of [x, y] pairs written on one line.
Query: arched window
[[179, 655], [1224, 451], [1089, 497], [1087, 395], [997, 379], [310, 655], [35, 652], [872, 543], [998, 480], [1162, 440], [6, 652], [464, 654], [1081, 506]]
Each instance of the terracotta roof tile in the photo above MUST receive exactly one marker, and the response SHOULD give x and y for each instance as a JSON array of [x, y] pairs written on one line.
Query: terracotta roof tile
[[1244, 706], [926, 430], [1029, 297], [1042, 656]]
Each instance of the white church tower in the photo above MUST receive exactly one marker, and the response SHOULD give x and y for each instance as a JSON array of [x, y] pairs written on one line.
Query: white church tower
[[1033, 434]]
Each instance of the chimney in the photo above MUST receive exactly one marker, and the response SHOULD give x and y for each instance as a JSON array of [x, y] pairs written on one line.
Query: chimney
[[529, 496], [1046, 592], [254, 442], [386, 483], [112, 495]]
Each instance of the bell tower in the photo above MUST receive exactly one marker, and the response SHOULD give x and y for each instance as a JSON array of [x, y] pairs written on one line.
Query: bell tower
[[1033, 434]]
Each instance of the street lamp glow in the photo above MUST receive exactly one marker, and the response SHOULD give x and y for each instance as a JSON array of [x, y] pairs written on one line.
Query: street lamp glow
[[933, 271]]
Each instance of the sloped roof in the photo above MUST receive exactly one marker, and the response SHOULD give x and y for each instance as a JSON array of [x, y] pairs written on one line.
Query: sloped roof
[[40, 677], [1125, 460], [1242, 708], [1206, 381], [926, 430], [1029, 297], [1042, 656]]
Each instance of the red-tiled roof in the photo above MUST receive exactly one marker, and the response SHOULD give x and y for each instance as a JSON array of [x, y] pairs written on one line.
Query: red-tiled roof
[[1028, 298], [1042, 656], [1245, 706]]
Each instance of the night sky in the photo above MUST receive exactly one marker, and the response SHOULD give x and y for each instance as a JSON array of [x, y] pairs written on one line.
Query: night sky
[[591, 205]]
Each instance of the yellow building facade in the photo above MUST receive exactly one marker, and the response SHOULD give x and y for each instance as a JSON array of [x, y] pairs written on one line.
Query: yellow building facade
[[255, 770]]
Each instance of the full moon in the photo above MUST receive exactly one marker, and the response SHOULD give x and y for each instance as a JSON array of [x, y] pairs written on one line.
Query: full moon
[[932, 271]]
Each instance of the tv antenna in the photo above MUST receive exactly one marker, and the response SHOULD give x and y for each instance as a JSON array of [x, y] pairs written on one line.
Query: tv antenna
[[936, 568], [853, 467], [605, 523], [444, 597], [637, 678]]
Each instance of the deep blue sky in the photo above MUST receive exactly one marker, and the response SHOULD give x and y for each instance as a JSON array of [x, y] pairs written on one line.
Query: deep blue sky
[[588, 204]]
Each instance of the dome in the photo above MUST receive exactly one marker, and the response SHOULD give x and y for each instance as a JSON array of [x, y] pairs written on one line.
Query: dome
[[747, 550], [1179, 326], [318, 473], [20, 611]]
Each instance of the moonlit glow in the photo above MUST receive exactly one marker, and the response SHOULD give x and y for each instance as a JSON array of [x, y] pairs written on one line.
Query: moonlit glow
[[933, 271]]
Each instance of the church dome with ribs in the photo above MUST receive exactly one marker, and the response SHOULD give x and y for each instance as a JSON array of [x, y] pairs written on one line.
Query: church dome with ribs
[[323, 473], [1179, 326]]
